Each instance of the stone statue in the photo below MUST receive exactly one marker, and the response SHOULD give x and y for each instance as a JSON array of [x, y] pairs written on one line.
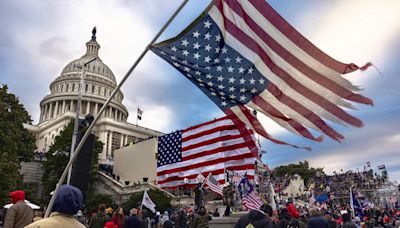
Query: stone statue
[[94, 33]]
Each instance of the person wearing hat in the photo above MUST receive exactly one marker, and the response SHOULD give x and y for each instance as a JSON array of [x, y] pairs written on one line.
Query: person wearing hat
[[68, 202], [19, 214], [329, 217], [258, 218], [317, 220]]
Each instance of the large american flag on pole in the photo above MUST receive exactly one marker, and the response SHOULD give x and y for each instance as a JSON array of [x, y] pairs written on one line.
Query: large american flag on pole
[[249, 196], [242, 54], [211, 147]]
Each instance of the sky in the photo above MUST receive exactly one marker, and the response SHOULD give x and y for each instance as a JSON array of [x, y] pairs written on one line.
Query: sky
[[39, 38]]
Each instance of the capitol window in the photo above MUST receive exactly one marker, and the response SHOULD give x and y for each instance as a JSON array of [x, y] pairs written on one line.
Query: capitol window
[[73, 87], [66, 90], [92, 88]]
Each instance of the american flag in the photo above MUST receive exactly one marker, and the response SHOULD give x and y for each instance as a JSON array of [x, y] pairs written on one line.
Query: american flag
[[211, 147], [242, 54], [250, 199], [214, 185]]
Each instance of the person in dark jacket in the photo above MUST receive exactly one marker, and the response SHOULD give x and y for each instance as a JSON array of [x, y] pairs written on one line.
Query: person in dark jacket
[[346, 218], [201, 218], [329, 217], [317, 220], [258, 218], [285, 220], [133, 220]]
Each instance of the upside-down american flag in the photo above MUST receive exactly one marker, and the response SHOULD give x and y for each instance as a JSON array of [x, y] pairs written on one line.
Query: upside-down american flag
[[214, 146], [242, 53], [249, 196]]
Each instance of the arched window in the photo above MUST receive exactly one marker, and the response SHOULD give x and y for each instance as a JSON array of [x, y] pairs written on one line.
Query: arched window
[[66, 90], [73, 87], [92, 88]]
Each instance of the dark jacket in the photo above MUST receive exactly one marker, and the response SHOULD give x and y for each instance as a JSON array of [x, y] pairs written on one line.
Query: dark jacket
[[258, 219], [200, 220], [318, 222], [132, 222]]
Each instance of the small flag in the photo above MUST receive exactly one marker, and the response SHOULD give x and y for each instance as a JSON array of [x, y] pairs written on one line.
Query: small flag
[[147, 202], [249, 196], [214, 185], [381, 167], [139, 114], [272, 196]]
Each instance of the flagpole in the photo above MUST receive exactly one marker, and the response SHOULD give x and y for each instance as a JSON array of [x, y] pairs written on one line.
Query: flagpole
[[87, 133]]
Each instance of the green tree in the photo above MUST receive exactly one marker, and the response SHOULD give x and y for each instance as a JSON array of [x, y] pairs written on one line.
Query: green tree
[[58, 157], [16, 143], [94, 200], [161, 200], [302, 168]]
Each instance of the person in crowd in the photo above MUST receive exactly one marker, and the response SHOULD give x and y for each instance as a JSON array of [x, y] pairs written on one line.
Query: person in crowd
[[329, 217], [292, 209], [257, 218], [182, 219], [19, 214], [164, 218], [317, 220], [285, 220], [133, 220], [68, 202], [228, 199], [215, 213], [100, 218], [145, 217], [155, 221], [118, 217], [346, 218], [201, 218]]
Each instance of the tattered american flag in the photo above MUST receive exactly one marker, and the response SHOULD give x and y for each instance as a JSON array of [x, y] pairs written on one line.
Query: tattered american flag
[[214, 146], [242, 53]]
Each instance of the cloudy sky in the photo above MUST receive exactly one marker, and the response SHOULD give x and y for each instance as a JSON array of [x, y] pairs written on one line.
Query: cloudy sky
[[38, 38]]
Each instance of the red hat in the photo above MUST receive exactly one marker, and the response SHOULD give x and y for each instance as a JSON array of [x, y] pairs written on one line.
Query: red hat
[[109, 225], [17, 196]]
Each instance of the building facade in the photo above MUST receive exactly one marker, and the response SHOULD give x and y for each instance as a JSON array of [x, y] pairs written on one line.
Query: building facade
[[59, 107]]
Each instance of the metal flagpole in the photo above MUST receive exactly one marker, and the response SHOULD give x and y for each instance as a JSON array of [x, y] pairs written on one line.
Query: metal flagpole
[[87, 133], [78, 110]]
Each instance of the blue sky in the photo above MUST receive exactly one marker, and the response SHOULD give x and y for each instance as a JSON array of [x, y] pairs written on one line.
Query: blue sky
[[38, 38]]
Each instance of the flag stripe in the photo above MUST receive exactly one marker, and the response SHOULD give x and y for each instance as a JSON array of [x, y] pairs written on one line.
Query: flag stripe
[[290, 60], [322, 106], [267, 107], [291, 33], [214, 147], [219, 160]]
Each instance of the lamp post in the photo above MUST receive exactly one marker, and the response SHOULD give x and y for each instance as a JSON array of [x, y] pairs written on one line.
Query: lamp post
[[78, 110]]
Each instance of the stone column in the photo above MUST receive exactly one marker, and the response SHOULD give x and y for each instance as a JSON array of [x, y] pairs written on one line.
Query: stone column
[[96, 109], [72, 109], [50, 110], [88, 107], [109, 143], [63, 107], [122, 141], [56, 110]]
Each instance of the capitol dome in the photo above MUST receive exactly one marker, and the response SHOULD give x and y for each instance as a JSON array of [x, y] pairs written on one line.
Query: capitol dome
[[98, 84]]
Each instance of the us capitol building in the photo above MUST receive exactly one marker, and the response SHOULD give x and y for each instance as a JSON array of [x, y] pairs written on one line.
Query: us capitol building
[[59, 107]]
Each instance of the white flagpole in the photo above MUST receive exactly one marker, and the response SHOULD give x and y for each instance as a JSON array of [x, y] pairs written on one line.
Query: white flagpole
[[86, 135]]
